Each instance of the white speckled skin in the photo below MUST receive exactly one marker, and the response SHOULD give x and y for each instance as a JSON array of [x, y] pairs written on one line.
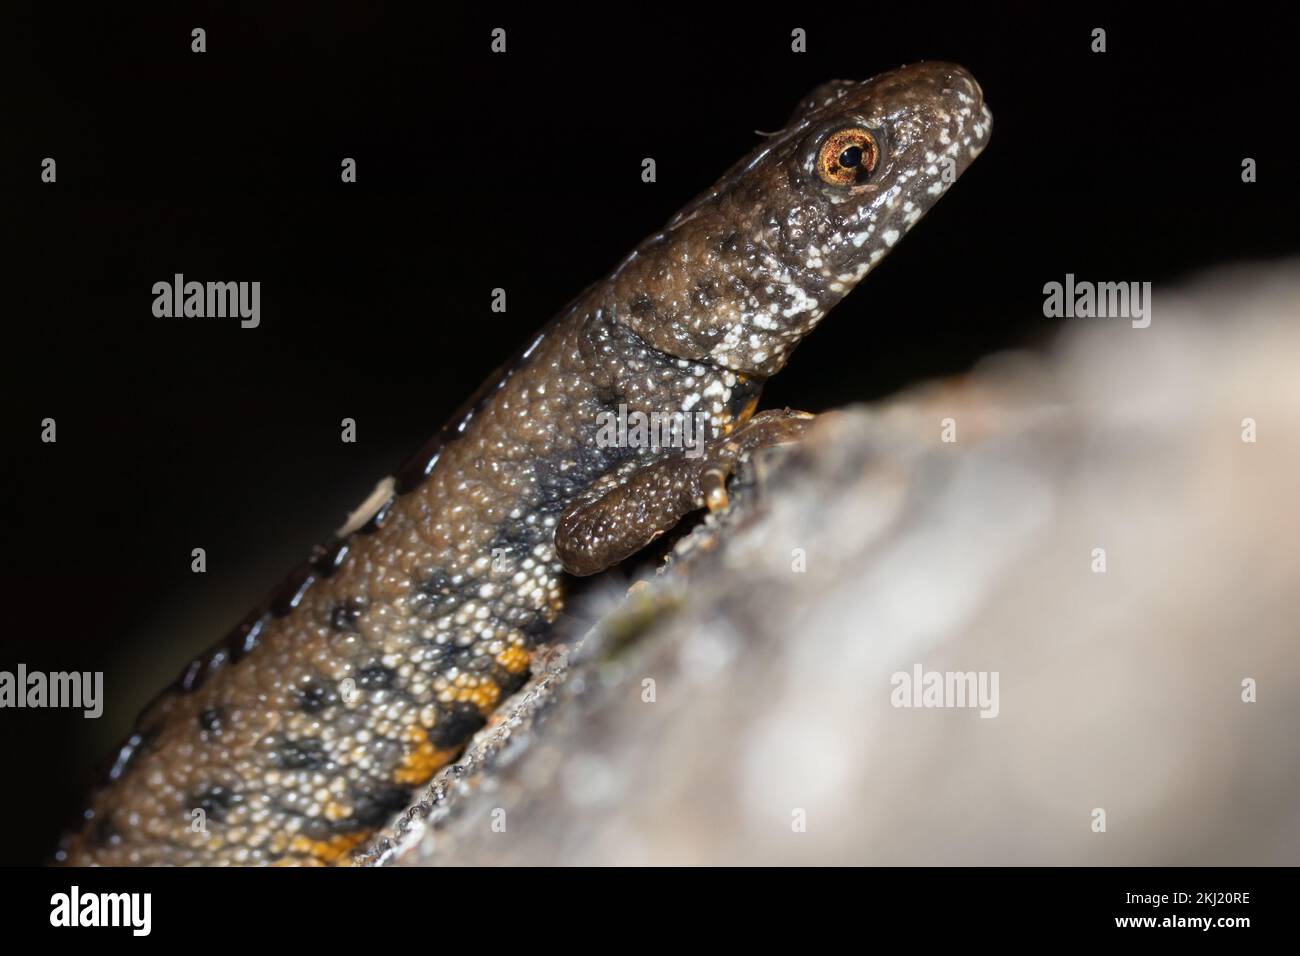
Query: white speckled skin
[[317, 719]]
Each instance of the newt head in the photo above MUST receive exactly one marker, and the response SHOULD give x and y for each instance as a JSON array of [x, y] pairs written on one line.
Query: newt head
[[751, 266]]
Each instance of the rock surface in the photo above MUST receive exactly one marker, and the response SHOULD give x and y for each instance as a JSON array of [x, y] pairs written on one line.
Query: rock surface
[[739, 707]]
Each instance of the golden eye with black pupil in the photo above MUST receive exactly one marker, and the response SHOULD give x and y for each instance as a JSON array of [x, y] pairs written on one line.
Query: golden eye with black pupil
[[847, 157]]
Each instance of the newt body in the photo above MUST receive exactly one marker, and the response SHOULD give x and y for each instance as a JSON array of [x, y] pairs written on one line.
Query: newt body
[[314, 722]]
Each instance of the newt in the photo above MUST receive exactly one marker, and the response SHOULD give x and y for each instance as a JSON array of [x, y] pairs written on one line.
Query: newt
[[315, 721]]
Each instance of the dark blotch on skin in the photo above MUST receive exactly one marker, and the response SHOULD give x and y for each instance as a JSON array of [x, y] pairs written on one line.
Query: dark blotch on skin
[[745, 391], [376, 808], [537, 630], [375, 677], [192, 677], [343, 617], [305, 754], [315, 697], [642, 305], [315, 828], [210, 720], [706, 293], [130, 751], [245, 635], [292, 590], [455, 726], [329, 558], [198, 671], [438, 586], [508, 682], [214, 801]]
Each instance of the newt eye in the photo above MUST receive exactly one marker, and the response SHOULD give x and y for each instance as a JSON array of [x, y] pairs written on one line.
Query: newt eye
[[847, 157]]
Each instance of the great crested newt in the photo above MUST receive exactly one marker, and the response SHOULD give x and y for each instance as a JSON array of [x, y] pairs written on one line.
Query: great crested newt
[[313, 723]]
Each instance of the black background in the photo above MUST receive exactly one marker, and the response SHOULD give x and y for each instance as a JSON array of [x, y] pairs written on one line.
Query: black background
[[476, 171]]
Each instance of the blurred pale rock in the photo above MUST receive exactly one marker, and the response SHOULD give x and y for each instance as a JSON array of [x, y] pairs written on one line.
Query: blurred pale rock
[[771, 738]]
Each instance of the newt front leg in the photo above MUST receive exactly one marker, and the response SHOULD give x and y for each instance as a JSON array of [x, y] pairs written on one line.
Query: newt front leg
[[624, 512]]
